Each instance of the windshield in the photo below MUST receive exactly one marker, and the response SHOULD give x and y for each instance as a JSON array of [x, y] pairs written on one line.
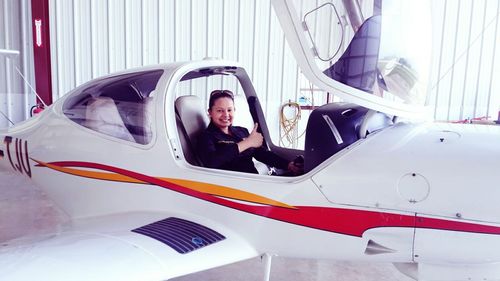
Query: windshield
[[381, 50]]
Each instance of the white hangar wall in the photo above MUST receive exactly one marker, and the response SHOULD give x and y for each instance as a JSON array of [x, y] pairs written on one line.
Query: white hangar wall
[[94, 38]]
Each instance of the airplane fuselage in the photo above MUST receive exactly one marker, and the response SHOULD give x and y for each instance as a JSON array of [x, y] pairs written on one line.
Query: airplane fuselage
[[384, 198]]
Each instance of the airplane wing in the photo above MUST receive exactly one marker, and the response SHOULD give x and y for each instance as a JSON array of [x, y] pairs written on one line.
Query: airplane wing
[[123, 247]]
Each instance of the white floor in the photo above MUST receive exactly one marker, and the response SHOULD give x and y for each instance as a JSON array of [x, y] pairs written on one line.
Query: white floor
[[25, 210]]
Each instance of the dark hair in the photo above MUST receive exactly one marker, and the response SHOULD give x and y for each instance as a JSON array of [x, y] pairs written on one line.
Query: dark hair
[[217, 94]]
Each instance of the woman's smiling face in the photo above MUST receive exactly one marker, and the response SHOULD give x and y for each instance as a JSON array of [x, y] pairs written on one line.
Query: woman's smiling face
[[221, 113]]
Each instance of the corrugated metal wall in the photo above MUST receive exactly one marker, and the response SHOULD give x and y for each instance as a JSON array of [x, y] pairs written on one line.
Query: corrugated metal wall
[[16, 98], [91, 38], [465, 81]]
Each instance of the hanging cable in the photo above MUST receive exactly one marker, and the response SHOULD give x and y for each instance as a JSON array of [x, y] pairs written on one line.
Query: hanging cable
[[289, 124]]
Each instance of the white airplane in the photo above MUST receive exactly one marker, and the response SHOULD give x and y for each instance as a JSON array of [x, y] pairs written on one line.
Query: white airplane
[[116, 154]]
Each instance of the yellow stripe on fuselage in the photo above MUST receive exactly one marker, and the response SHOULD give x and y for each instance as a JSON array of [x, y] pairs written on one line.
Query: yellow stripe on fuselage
[[216, 190]]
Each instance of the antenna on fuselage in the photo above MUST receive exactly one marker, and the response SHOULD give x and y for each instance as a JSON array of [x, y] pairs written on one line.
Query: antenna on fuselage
[[31, 87], [11, 54], [6, 117]]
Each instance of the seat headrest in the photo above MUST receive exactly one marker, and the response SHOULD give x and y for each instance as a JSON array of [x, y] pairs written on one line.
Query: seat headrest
[[102, 115], [148, 114], [192, 114], [242, 118]]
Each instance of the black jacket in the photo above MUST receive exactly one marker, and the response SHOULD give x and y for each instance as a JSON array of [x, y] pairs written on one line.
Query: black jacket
[[219, 150]]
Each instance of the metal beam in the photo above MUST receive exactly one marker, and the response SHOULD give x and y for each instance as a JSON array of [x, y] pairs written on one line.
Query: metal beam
[[41, 49]]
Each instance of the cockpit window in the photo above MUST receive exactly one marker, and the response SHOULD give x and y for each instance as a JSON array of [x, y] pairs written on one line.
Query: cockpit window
[[119, 106], [388, 55]]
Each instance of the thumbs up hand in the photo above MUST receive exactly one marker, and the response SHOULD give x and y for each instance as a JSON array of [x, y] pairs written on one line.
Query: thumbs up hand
[[254, 140]]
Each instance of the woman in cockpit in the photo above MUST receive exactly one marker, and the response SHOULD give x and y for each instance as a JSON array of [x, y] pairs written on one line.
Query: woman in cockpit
[[228, 147]]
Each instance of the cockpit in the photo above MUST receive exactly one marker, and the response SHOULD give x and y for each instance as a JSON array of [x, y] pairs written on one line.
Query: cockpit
[[330, 128], [378, 66]]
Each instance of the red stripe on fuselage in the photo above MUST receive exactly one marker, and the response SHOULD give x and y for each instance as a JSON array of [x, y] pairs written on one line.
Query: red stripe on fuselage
[[352, 222], [441, 224]]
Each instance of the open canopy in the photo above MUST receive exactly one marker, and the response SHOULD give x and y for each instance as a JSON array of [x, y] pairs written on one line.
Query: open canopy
[[379, 60]]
